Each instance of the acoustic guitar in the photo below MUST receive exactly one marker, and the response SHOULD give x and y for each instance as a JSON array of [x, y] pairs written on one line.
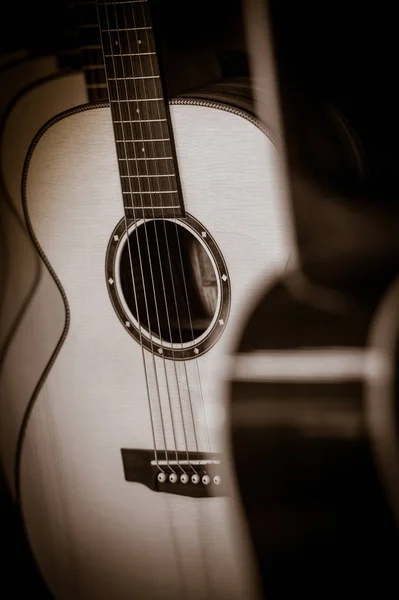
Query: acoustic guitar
[[23, 69], [26, 347], [314, 396], [313, 386], [155, 220]]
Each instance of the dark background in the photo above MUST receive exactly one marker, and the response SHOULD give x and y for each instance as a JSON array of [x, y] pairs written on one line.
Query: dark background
[[343, 51]]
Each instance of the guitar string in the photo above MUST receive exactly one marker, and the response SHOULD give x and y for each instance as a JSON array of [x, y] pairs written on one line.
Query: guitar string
[[186, 299], [153, 214], [183, 592], [171, 270], [201, 524], [150, 261], [148, 246], [105, 6], [175, 531], [140, 262], [140, 333], [205, 566]]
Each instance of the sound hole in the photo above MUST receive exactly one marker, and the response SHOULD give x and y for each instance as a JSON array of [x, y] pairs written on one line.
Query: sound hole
[[168, 281]]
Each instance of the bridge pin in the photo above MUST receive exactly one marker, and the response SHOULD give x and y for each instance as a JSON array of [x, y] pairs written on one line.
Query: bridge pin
[[161, 477], [173, 478], [195, 478], [217, 480], [184, 478], [206, 479]]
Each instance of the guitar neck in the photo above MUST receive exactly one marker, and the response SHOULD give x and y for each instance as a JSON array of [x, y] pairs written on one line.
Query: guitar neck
[[143, 133], [91, 50], [67, 39]]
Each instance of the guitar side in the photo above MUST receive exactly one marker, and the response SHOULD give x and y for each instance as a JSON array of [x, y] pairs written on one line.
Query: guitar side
[[13, 78], [20, 368], [94, 534]]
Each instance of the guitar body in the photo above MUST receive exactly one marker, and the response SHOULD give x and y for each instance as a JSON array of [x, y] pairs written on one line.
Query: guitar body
[[311, 382], [94, 534], [15, 245], [10, 57], [21, 72], [31, 110], [313, 390]]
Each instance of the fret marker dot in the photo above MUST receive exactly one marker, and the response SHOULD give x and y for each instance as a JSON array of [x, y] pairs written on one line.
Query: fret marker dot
[[196, 351], [116, 42], [116, 238], [139, 41], [142, 149], [224, 277], [159, 350], [110, 281], [127, 323], [221, 322], [203, 234], [137, 110]]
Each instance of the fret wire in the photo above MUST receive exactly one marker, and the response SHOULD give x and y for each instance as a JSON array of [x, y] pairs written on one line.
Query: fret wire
[[129, 65], [121, 2], [126, 29], [154, 207], [144, 49], [149, 140], [152, 192], [123, 78], [129, 54], [150, 158], [162, 175], [140, 100], [139, 121], [119, 19]]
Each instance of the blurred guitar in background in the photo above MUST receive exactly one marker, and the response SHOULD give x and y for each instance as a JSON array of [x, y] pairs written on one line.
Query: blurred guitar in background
[[30, 292], [21, 68], [314, 373]]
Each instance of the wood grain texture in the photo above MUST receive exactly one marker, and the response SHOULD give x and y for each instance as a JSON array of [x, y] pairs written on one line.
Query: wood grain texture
[[95, 535], [30, 112]]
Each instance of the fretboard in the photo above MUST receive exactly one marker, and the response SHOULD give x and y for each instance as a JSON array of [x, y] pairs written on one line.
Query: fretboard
[[92, 61], [143, 134]]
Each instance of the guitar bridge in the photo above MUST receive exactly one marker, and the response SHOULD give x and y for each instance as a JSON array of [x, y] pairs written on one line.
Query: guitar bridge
[[195, 474]]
